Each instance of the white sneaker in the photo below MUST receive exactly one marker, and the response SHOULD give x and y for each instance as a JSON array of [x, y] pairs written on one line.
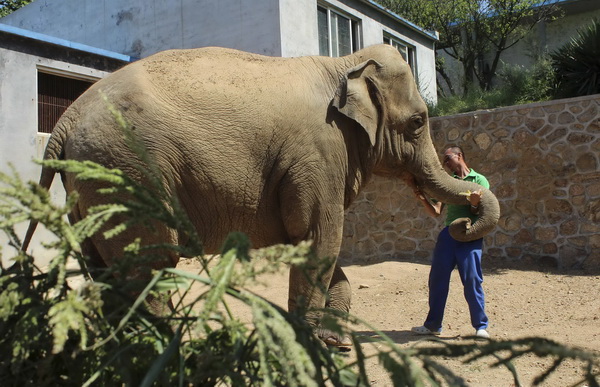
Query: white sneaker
[[482, 333]]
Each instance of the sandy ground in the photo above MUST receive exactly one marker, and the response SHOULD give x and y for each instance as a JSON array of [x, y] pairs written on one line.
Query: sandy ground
[[392, 296]]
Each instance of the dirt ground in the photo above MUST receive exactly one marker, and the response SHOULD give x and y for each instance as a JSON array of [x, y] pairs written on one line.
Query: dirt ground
[[520, 302]]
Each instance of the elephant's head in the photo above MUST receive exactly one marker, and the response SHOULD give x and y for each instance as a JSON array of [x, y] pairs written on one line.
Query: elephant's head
[[380, 94]]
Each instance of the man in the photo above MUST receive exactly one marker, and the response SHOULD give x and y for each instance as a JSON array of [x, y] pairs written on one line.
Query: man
[[450, 253]]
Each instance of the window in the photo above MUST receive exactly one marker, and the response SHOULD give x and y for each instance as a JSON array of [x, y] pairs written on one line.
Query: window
[[408, 52], [55, 94], [339, 35]]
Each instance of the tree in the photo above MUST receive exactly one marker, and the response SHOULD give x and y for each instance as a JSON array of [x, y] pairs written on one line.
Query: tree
[[9, 6], [471, 30], [577, 63]]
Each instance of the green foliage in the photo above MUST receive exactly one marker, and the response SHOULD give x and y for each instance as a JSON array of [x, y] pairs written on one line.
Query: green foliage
[[523, 85], [98, 333], [472, 30], [577, 63], [517, 85], [55, 331], [473, 100], [9, 6]]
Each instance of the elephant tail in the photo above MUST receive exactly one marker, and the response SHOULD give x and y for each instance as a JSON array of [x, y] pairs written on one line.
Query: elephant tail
[[54, 151]]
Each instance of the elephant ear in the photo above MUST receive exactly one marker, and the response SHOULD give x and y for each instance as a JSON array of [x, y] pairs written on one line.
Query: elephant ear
[[355, 97]]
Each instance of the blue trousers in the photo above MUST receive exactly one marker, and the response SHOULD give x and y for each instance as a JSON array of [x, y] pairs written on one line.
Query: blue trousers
[[448, 254]]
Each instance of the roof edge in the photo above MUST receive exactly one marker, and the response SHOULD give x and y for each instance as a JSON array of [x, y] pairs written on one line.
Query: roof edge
[[434, 35], [64, 43]]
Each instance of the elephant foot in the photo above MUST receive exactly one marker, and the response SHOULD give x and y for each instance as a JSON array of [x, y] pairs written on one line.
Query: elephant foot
[[332, 339]]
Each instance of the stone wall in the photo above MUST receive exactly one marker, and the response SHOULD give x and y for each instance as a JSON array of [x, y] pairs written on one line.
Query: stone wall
[[542, 163]]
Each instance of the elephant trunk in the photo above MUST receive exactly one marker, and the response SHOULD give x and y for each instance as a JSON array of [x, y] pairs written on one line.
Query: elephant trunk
[[447, 189]]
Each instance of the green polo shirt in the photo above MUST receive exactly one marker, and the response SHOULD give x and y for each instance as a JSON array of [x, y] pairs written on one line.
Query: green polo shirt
[[456, 211]]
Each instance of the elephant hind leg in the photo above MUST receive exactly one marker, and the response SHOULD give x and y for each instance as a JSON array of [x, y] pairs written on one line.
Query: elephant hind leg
[[95, 263], [134, 269]]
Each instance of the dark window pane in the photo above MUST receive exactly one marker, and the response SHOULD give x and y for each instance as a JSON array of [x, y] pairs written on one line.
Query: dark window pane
[[403, 50], [344, 36], [356, 36], [338, 35], [55, 94], [323, 31], [406, 51], [335, 49]]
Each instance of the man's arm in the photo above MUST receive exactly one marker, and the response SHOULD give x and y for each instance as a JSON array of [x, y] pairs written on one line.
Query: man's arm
[[433, 209]]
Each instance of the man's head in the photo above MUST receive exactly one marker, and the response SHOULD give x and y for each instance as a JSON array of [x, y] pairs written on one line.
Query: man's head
[[454, 159]]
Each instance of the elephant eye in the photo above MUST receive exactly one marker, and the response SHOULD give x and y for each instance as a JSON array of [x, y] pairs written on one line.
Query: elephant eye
[[417, 120]]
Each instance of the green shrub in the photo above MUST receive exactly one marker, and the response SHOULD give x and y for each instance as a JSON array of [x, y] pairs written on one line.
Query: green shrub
[[577, 63], [55, 334], [520, 85], [516, 85], [474, 99]]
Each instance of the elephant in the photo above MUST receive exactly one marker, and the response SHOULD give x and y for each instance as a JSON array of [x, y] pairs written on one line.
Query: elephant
[[277, 148]]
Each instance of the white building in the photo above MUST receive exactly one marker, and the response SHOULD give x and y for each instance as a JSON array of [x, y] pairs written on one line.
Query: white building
[[51, 50], [39, 77], [287, 28]]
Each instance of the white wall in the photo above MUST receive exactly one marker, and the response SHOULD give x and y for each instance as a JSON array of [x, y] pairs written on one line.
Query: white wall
[[21, 143], [299, 31], [140, 28]]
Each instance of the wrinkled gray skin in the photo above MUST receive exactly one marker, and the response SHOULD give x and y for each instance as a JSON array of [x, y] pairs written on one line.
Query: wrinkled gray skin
[[276, 148]]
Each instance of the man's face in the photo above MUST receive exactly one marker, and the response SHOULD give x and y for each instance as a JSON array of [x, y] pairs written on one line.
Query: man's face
[[451, 160]]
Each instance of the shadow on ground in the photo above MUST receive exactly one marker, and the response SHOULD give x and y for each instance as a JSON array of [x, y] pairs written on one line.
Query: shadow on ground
[[493, 265], [401, 337]]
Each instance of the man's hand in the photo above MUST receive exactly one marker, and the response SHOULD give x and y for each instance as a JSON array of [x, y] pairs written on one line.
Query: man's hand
[[412, 183], [475, 197], [433, 209]]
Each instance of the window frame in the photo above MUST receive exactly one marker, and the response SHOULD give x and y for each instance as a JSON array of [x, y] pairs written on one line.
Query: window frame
[[333, 16], [410, 56], [49, 111]]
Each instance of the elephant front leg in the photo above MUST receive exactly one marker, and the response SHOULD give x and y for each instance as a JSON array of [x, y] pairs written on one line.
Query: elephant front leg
[[307, 292], [339, 299], [313, 211], [319, 284]]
